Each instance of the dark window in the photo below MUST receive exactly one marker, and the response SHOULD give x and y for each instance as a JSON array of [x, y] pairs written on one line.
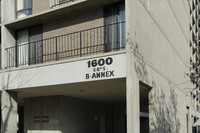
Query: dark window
[[114, 18]]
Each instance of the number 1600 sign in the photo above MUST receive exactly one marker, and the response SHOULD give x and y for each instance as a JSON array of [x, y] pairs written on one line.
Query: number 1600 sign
[[100, 62]]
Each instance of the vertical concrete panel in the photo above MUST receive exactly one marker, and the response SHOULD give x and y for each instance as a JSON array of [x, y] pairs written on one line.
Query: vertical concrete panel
[[9, 112], [8, 40], [189, 121], [132, 97], [7, 15], [41, 114]]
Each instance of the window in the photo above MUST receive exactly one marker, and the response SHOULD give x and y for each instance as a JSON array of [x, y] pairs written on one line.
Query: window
[[22, 47], [114, 18], [24, 8], [29, 46]]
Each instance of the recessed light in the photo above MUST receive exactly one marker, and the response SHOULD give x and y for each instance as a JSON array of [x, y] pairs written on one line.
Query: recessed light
[[81, 90]]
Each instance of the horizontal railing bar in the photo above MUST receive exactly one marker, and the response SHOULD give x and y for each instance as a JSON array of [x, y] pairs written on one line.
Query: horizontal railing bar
[[67, 1]]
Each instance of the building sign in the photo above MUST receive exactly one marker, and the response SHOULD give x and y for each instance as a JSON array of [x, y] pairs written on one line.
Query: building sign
[[105, 67], [100, 68]]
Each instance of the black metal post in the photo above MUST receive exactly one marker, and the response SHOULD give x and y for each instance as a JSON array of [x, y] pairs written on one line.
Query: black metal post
[[56, 49], [80, 45]]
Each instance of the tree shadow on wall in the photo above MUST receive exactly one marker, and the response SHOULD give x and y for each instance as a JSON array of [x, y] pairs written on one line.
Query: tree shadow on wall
[[164, 117], [139, 64], [163, 111]]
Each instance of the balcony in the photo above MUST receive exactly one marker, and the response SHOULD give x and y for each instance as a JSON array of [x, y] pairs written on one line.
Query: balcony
[[98, 40]]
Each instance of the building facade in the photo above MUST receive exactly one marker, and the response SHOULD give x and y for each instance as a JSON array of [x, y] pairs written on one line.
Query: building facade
[[103, 66]]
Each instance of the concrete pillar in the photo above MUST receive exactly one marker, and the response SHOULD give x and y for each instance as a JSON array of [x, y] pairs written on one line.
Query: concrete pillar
[[9, 112], [8, 15], [132, 96], [190, 122], [132, 81]]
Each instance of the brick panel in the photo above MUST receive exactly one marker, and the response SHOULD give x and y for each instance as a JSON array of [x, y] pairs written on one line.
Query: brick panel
[[40, 5]]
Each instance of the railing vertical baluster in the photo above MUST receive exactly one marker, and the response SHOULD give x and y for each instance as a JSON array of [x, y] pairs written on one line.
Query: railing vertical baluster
[[29, 54], [56, 49], [16, 48], [80, 45], [8, 62], [87, 42]]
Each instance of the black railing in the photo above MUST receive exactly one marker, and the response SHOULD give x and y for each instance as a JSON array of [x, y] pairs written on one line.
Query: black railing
[[82, 43], [0, 58], [60, 2]]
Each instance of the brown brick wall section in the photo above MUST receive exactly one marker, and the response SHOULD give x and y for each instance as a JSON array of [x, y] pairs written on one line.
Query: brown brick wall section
[[68, 46], [40, 5], [76, 22]]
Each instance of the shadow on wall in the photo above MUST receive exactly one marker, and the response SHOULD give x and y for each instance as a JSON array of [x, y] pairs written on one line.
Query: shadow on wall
[[139, 65], [164, 119], [9, 106]]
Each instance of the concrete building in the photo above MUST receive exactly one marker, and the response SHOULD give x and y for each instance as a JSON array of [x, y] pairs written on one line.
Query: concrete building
[[99, 66]]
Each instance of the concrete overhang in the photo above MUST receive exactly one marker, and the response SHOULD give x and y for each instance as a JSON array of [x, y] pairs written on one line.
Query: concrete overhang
[[106, 91], [65, 72], [57, 12]]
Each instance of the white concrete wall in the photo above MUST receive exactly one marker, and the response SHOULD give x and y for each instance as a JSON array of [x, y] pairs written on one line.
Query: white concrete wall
[[158, 53], [7, 15], [8, 112]]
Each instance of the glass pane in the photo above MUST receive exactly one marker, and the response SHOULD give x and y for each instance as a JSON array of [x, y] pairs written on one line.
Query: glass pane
[[35, 45], [27, 4], [24, 13], [22, 46], [122, 12], [111, 18], [20, 4], [122, 26], [21, 14]]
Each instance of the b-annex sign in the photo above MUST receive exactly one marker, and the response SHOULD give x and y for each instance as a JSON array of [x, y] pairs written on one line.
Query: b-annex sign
[[105, 67]]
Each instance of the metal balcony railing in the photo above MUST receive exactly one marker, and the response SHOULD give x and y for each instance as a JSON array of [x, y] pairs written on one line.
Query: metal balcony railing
[[60, 2], [0, 58], [97, 40]]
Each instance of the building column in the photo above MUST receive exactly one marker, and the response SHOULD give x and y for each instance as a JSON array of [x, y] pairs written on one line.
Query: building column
[[132, 97], [9, 112]]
